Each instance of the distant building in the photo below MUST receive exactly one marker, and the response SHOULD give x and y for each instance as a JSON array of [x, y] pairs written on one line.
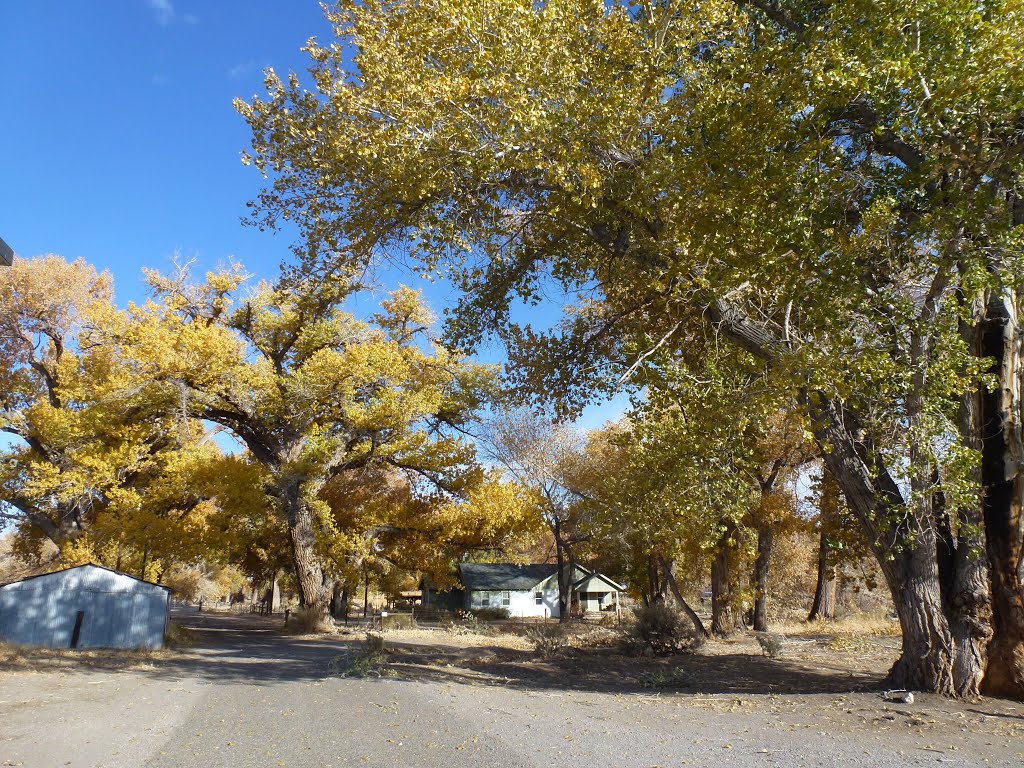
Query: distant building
[[84, 607], [523, 590], [6, 254]]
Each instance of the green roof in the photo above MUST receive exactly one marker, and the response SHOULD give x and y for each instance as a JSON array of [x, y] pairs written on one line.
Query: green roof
[[505, 576]]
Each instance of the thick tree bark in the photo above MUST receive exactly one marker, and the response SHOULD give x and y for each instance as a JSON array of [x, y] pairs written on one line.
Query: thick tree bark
[[903, 540], [963, 572], [346, 600], [765, 542], [314, 590], [926, 661], [723, 611], [339, 599], [905, 546], [824, 604], [1002, 470], [670, 578]]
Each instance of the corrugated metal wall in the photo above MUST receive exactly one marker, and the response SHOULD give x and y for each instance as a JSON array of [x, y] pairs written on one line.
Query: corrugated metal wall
[[117, 610]]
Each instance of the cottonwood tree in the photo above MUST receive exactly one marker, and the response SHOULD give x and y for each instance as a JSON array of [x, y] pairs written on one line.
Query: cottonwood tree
[[835, 189], [648, 519], [385, 518], [310, 391], [88, 436], [202, 508]]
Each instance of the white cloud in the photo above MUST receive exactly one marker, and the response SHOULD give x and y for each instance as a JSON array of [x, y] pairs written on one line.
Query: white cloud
[[241, 69], [164, 11]]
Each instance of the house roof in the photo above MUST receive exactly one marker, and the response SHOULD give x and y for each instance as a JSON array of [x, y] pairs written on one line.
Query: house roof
[[601, 577], [87, 565], [505, 576]]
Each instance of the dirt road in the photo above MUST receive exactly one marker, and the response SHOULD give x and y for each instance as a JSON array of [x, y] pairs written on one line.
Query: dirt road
[[245, 696]]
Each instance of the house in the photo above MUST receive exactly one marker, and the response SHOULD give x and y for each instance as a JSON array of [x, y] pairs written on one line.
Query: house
[[87, 606], [6, 254], [523, 590]]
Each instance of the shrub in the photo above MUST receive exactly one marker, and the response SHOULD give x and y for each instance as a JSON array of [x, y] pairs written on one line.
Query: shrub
[[660, 678], [547, 639], [490, 614], [660, 629], [467, 623], [399, 621], [178, 636], [305, 621], [370, 661], [771, 643]]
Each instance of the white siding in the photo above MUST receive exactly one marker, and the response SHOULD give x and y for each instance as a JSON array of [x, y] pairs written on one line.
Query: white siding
[[522, 603], [117, 610]]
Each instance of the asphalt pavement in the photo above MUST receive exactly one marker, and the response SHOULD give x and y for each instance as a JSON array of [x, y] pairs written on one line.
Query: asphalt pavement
[[246, 696]]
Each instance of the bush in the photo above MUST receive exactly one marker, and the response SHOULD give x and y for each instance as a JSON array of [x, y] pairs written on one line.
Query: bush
[[305, 621], [660, 678], [547, 639], [399, 621], [659, 629], [178, 636], [370, 661], [771, 643], [490, 614]]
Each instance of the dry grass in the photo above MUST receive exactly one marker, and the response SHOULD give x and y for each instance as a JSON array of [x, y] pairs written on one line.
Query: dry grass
[[856, 625], [27, 658], [456, 639]]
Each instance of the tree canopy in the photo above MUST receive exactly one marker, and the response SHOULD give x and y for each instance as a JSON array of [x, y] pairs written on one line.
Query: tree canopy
[[834, 189]]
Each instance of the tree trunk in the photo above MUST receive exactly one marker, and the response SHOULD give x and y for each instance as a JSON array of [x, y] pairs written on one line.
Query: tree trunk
[[655, 584], [564, 598], [1002, 470], [765, 542], [670, 578], [824, 604], [314, 592], [575, 610], [905, 547], [338, 598], [723, 611], [963, 572], [346, 599]]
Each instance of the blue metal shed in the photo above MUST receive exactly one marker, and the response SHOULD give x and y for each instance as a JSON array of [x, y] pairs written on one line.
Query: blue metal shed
[[84, 607]]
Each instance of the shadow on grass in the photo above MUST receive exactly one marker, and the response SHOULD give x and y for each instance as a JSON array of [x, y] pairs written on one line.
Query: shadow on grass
[[252, 650], [608, 670]]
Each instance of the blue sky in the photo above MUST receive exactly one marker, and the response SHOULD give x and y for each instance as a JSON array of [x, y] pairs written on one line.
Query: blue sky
[[120, 143]]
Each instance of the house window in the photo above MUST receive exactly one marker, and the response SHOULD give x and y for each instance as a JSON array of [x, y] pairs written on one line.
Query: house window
[[506, 599], [485, 599], [538, 598]]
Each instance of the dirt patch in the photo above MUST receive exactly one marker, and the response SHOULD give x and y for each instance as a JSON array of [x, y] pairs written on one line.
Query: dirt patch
[[595, 660], [822, 683]]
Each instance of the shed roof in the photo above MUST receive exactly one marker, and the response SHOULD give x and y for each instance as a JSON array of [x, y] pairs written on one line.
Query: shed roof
[[505, 576], [86, 566]]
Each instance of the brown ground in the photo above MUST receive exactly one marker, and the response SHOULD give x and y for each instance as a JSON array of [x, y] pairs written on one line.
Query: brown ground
[[595, 660], [453, 698]]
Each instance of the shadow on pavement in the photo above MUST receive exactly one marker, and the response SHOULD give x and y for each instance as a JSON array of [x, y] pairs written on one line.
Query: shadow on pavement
[[247, 649], [253, 650]]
